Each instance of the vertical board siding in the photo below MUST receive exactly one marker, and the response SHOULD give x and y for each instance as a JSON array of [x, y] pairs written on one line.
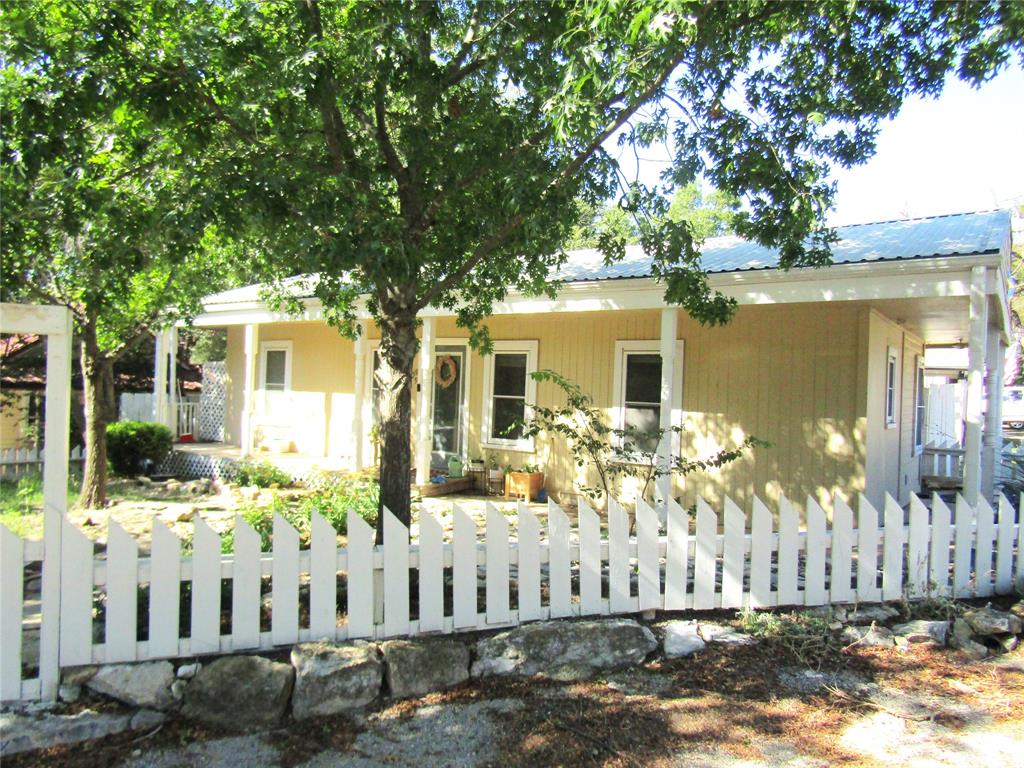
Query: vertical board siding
[[916, 560]]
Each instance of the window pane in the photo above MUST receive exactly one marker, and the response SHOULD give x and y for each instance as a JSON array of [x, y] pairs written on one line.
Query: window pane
[[643, 418], [507, 411], [510, 374], [643, 378], [275, 367]]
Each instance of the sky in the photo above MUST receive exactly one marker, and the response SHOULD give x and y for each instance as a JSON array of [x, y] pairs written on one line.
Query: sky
[[962, 151]]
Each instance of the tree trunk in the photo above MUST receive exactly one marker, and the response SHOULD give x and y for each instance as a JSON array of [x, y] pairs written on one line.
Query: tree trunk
[[100, 410], [398, 346]]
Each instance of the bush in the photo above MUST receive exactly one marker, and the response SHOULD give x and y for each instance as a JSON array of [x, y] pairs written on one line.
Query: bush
[[262, 474], [132, 446], [358, 493]]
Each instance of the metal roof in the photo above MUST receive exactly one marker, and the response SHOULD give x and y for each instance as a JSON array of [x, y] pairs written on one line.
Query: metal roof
[[959, 234]]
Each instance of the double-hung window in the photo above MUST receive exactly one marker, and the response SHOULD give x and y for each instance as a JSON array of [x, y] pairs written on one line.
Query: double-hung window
[[508, 392], [919, 406], [891, 383], [275, 373], [636, 395]]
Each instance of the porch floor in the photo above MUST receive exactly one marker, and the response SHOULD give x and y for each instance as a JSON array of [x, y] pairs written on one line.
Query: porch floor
[[295, 463]]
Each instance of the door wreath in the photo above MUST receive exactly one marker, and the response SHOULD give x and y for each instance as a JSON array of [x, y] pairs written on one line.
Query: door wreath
[[445, 371]]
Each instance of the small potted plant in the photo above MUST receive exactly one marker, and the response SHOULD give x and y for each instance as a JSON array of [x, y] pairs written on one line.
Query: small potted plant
[[526, 481], [494, 472]]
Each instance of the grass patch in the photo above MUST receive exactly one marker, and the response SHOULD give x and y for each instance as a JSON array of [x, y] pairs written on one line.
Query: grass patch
[[21, 503]]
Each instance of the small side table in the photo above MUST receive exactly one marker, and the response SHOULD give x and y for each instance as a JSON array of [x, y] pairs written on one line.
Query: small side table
[[479, 476]]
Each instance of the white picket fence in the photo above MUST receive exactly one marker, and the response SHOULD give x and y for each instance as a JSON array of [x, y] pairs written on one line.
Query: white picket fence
[[509, 577], [15, 462]]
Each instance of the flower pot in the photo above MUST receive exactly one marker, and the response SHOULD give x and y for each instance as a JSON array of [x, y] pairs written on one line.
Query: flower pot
[[524, 484]]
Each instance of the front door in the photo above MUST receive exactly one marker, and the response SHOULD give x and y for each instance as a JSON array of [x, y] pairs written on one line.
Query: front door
[[449, 390]]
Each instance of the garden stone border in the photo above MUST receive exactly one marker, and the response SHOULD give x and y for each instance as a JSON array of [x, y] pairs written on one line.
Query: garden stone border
[[565, 649]]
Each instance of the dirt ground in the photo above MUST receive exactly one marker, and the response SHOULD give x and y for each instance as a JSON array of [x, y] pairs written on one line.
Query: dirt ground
[[728, 706]]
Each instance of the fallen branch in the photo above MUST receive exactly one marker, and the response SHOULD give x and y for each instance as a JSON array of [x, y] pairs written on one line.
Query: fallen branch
[[841, 694]]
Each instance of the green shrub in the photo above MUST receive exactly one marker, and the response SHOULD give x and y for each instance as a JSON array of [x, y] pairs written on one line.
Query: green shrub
[[133, 444], [357, 492], [262, 474]]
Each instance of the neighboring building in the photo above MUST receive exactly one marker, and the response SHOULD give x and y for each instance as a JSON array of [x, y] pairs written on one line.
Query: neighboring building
[[827, 364], [23, 384]]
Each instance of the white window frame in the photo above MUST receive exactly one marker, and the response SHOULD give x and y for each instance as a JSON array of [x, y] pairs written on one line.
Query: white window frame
[[273, 346], [891, 395], [920, 405], [529, 348], [645, 347]]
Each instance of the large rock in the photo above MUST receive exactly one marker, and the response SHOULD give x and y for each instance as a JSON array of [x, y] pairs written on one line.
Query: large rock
[[416, 668], [147, 684], [989, 621], [871, 614], [563, 650], [240, 693], [926, 632], [870, 636], [719, 633], [681, 639], [332, 678], [21, 732], [963, 639]]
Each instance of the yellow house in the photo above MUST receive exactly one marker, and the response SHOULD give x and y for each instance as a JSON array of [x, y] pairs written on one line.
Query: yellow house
[[826, 364]]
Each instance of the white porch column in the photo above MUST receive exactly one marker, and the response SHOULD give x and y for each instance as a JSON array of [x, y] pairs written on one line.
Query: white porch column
[[358, 438], [172, 380], [669, 324], [975, 385], [160, 378], [423, 402], [992, 438], [248, 397]]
